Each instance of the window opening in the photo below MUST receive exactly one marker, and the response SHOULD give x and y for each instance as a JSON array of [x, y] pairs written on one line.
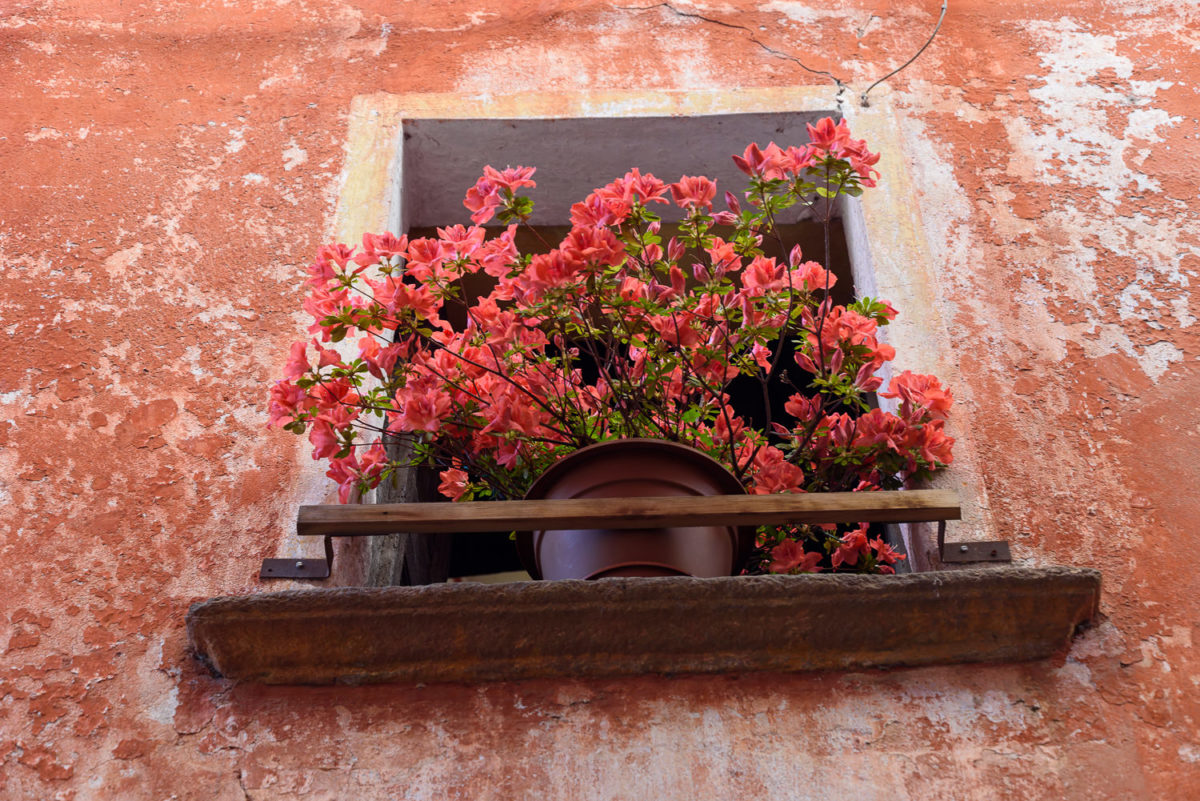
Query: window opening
[[441, 158]]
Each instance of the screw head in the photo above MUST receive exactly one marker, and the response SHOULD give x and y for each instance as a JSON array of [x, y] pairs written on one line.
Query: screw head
[[299, 564], [962, 549]]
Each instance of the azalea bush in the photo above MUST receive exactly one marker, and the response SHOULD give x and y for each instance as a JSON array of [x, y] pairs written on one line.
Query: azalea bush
[[618, 331]]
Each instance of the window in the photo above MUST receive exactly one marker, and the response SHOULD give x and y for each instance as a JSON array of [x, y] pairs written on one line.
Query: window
[[411, 157], [478, 633]]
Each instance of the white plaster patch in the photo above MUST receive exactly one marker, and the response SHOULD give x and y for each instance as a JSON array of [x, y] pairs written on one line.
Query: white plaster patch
[[164, 710], [253, 178], [122, 260], [1189, 753], [43, 133], [294, 156], [191, 357], [535, 67], [1076, 672], [1079, 141], [474, 20], [236, 141], [805, 12], [1156, 359], [1144, 123], [1158, 294], [1135, 295]]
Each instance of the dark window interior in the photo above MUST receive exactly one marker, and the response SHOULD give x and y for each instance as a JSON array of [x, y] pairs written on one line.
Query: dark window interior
[[478, 554]]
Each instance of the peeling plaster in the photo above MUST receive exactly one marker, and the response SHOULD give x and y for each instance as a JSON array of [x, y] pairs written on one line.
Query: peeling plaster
[[170, 177], [1080, 139]]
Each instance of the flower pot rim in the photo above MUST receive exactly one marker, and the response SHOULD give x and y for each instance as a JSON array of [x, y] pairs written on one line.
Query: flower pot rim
[[723, 477]]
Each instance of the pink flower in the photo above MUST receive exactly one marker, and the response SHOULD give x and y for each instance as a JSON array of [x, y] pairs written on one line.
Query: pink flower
[[724, 256], [297, 363], [853, 545], [336, 253], [593, 246], [374, 460], [865, 380], [885, 553], [353, 475], [694, 191], [880, 353], [645, 188], [344, 472], [510, 412], [422, 404], [797, 159], [878, 427], [484, 197], [762, 276], [511, 178], [801, 407], [728, 426], [806, 362], [380, 360], [460, 241], [678, 280], [827, 135], [761, 355], [923, 392], [334, 395], [320, 272], [855, 329], [773, 473], [322, 303], [812, 276], [933, 444], [378, 247], [790, 557], [327, 356], [861, 160], [286, 400], [324, 440], [482, 200], [676, 329], [600, 209], [497, 254], [454, 483], [756, 162]]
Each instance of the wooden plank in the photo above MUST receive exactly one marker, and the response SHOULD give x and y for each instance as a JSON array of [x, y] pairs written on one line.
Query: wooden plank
[[828, 507]]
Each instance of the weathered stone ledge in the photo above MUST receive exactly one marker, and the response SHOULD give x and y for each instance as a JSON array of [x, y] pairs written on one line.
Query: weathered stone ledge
[[611, 627]]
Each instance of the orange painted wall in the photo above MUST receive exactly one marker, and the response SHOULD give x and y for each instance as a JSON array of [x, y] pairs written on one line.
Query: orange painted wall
[[166, 170]]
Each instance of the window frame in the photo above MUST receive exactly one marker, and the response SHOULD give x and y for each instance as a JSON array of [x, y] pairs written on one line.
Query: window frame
[[890, 257]]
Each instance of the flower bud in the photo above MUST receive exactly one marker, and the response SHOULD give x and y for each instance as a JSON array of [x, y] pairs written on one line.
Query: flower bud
[[675, 250], [836, 361], [795, 256]]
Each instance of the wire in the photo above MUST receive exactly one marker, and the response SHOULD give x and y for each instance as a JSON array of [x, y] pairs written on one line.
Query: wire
[[862, 99]]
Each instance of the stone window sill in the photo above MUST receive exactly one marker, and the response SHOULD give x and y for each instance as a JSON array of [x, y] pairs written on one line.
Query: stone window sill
[[614, 627]]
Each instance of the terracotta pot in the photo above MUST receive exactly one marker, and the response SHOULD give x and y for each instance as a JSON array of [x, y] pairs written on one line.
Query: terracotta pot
[[626, 469]]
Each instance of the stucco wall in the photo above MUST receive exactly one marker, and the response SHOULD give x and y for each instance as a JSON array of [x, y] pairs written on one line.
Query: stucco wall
[[168, 171]]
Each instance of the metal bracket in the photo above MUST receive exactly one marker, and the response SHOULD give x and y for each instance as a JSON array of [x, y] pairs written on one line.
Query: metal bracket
[[299, 567], [957, 552]]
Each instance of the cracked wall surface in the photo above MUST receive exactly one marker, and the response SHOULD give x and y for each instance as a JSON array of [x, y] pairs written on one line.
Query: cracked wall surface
[[169, 169]]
